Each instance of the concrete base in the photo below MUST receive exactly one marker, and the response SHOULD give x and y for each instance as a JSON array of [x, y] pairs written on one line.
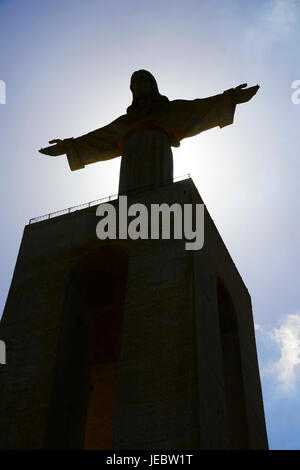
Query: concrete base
[[185, 375]]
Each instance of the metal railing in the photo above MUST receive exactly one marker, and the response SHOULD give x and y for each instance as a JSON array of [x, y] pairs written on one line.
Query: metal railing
[[99, 201]]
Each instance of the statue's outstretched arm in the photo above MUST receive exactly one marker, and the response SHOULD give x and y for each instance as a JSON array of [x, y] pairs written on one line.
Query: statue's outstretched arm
[[99, 145], [242, 96], [54, 150], [188, 118]]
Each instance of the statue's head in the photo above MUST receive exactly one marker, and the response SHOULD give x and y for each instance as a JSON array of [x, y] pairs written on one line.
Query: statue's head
[[144, 90]]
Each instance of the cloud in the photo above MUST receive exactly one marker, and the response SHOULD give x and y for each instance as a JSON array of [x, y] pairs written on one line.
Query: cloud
[[274, 21], [287, 338], [282, 16]]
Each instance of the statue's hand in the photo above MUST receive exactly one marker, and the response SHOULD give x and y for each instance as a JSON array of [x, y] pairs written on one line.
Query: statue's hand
[[54, 150], [242, 96]]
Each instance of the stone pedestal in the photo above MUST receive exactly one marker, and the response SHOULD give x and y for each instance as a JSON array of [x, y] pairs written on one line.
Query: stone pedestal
[[175, 356]]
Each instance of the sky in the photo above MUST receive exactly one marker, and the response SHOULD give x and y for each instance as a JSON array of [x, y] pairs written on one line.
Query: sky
[[65, 68]]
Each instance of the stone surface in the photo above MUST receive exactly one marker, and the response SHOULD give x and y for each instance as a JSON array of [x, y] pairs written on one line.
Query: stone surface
[[147, 160], [170, 391]]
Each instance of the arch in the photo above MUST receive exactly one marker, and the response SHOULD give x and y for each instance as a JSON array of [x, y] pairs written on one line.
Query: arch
[[232, 370], [100, 279]]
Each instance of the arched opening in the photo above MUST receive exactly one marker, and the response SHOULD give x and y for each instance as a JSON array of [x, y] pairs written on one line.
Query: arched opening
[[232, 369], [100, 280]]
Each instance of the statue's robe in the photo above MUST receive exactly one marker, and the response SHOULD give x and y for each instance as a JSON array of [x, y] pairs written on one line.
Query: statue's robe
[[159, 126]]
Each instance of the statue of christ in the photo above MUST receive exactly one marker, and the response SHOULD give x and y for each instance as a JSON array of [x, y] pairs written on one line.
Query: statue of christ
[[145, 134]]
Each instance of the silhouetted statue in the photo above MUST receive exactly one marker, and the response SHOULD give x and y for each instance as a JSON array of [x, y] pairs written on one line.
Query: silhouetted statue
[[145, 134]]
